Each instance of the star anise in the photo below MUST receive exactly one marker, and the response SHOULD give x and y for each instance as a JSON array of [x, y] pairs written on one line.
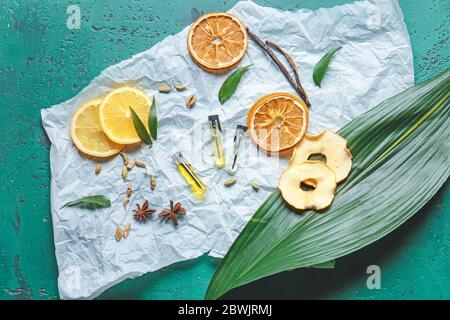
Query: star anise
[[173, 213], [141, 214]]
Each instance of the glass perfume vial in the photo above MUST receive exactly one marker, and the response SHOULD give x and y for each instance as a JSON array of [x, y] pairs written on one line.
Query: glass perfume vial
[[237, 146], [216, 139], [188, 173]]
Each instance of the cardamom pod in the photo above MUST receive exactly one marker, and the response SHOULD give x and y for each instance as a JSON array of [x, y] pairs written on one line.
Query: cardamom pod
[[165, 89], [131, 164], [129, 191], [256, 186], [125, 202], [126, 230], [124, 157], [124, 172], [190, 101], [180, 88], [229, 182], [153, 182], [98, 169], [118, 234], [140, 163]]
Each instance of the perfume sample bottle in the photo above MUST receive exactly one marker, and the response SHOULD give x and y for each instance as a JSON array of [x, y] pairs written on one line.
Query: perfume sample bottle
[[216, 138], [189, 174], [238, 141]]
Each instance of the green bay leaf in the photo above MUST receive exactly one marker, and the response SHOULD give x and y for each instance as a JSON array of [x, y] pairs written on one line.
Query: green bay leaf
[[153, 120], [322, 66], [230, 84], [141, 130], [90, 202]]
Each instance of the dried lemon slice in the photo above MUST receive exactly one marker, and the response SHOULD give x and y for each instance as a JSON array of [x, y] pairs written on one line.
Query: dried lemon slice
[[217, 42], [115, 114], [318, 175], [87, 134], [277, 122], [329, 144]]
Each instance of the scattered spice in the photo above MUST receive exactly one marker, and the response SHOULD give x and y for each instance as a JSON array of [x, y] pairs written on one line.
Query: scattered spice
[[180, 88], [165, 89], [140, 163], [141, 214], [190, 101], [124, 157], [256, 186], [153, 182], [131, 164], [229, 182], [98, 169], [126, 230], [173, 213], [124, 172], [118, 233], [129, 191], [125, 202]]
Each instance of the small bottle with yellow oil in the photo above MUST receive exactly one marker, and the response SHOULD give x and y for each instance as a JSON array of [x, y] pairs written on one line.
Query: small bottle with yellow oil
[[189, 174], [216, 139]]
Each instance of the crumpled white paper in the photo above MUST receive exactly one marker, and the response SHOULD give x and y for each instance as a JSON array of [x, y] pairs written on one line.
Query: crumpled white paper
[[374, 64]]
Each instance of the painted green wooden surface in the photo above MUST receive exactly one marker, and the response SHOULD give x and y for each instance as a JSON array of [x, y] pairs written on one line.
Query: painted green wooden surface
[[43, 63]]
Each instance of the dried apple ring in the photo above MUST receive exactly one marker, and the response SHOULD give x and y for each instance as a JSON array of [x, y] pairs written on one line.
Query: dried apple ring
[[329, 144]]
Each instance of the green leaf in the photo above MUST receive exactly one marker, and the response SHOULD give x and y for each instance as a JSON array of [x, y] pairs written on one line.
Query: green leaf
[[325, 265], [153, 120], [141, 130], [90, 203], [400, 160], [230, 84], [322, 66]]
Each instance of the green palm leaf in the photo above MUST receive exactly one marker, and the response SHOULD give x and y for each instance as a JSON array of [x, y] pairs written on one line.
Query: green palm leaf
[[400, 159]]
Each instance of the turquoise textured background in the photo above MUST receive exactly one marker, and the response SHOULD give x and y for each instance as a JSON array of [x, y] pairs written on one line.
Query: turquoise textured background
[[43, 63]]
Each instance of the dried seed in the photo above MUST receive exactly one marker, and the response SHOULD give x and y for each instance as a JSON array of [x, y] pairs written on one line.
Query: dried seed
[[124, 157], [165, 89], [180, 88], [129, 191], [126, 230], [131, 164], [190, 101], [140, 163], [153, 182], [98, 169], [124, 172], [229, 182], [256, 186], [118, 234], [125, 202]]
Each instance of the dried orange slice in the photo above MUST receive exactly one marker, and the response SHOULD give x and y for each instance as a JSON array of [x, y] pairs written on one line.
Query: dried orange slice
[[217, 42], [277, 122], [87, 134]]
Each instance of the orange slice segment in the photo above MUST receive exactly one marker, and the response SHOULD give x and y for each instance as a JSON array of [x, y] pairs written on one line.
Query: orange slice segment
[[217, 42], [277, 122], [87, 134]]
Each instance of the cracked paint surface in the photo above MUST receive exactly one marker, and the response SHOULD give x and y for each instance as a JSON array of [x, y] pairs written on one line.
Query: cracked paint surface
[[43, 63]]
